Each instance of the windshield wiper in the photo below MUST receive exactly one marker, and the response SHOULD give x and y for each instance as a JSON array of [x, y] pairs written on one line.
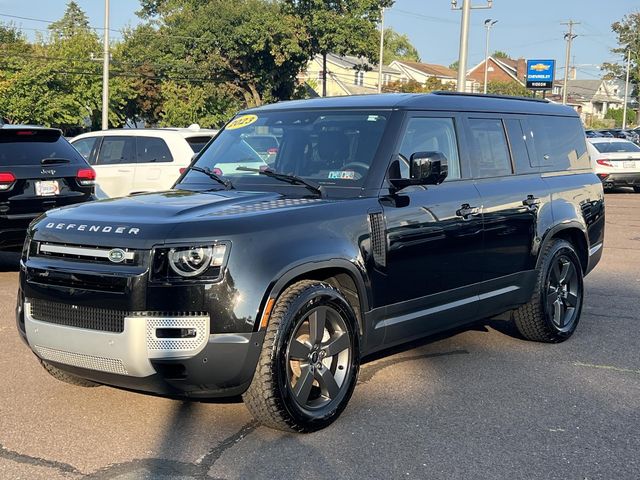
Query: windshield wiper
[[214, 176], [286, 177]]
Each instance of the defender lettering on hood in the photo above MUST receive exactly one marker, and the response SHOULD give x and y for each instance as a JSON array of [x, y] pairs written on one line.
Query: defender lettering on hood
[[93, 228]]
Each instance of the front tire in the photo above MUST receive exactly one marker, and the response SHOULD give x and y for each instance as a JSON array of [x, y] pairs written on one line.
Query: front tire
[[553, 312], [309, 362]]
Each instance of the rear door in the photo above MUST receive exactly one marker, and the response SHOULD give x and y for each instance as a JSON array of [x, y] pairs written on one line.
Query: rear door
[[514, 198], [39, 170], [115, 165], [154, 165]]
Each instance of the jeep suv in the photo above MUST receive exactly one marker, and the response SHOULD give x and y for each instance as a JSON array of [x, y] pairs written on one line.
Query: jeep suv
[[382, 218], [39, 170]]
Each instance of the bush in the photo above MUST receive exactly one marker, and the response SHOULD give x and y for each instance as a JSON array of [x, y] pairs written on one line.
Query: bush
[[616, 115]]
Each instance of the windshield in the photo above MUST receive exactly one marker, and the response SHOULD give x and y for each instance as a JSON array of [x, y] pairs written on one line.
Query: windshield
[[333, 148], [616, 147]]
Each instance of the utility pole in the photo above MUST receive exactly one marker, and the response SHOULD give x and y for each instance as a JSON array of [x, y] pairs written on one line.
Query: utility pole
[[464, 39], [381, 50], [488, 23], [569, 36], [626, 91], [105, 70]]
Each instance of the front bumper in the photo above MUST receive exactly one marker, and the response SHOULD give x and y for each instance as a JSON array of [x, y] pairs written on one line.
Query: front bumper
[[206, 365]]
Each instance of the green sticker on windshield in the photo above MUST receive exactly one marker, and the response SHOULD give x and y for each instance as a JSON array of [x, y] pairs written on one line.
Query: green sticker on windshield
[[241, 122]]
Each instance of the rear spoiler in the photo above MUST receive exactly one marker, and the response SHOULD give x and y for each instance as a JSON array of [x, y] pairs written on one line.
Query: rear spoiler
[[16, 133]]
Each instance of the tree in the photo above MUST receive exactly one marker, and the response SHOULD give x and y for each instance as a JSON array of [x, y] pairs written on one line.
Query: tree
[[432, 84], [628, 41], [616, 115], [500, 54], [398, 47], [508, 88], [73, 22], [454, 66], [344, 27], [208, 105]]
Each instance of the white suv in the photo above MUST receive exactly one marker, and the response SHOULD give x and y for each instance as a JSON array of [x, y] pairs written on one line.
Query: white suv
[[139, 160]]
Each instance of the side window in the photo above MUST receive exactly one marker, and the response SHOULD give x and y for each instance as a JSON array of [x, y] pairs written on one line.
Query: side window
[[490, 150], [153, 150], [519, 146], [115, 150], [560, 143], [85, 146], [430, 135]]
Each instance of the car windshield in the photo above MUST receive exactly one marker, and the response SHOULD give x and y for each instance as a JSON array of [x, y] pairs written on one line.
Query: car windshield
[[330, 148], [616, 147]]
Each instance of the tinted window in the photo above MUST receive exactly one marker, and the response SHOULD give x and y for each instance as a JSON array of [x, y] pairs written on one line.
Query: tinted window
[[616, 147], [490, 152], [430, 135], [116, 150], [560, 143], [261, 143], [153, 150], [31, 149], [85, 146], [518, 143], [197, 143]]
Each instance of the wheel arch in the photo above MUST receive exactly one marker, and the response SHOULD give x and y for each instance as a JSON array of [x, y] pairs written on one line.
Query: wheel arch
[[342, 274], [574, 233]]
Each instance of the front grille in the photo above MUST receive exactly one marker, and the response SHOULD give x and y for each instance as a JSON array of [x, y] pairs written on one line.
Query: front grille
[[91, 362], [78, 316], [86, 254]]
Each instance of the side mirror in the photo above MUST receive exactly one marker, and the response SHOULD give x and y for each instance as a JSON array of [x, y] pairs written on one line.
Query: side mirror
[[425, 168]]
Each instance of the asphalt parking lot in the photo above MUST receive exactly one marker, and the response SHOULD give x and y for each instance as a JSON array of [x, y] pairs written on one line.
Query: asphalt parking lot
[[476, 404]]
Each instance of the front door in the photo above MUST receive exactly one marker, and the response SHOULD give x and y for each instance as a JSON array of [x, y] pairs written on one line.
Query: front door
[[434, 241]]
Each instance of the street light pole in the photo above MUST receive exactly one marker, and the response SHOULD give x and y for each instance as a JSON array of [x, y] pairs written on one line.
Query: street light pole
[[381, 50], [105, 70], [464, 39], [626, 91], [488, 23], [569, 38]]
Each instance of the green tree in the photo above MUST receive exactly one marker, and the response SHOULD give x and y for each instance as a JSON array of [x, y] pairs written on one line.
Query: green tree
[[616, 115], [500, 54], [432, 84], [628, 32], [74, 21], [454, 66], [398, 47], [508, 88], [343, 27]]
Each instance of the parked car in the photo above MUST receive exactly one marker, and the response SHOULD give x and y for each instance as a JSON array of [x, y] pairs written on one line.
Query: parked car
[[592, 133], [384, 218], [605, 133], [139, 160], [39, 170], [616, 162]]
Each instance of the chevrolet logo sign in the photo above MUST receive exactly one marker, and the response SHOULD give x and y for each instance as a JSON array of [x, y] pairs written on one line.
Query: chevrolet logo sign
[[540, 67]]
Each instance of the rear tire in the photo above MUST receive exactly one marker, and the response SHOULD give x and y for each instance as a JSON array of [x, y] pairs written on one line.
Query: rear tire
[[636, 189], [65, 377], [309, 362], [553, 312]]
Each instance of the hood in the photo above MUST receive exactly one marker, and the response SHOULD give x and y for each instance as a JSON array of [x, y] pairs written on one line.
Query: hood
[[151, 218]]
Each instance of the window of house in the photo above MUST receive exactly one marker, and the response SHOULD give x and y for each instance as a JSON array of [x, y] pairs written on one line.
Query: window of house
[[359, 78], [490, 151]]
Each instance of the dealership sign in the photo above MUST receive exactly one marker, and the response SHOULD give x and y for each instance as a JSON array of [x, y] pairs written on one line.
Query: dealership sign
[[540, 74]]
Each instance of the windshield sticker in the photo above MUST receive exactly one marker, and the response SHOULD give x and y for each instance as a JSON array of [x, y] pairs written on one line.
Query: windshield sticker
[[342, 175], [241, 122]]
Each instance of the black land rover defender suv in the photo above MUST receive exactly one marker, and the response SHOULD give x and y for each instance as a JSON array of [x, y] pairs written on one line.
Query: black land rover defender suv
[[39, 170], [381, 219]]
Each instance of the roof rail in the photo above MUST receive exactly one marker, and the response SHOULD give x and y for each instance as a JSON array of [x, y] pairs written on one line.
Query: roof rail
[[484, 95]]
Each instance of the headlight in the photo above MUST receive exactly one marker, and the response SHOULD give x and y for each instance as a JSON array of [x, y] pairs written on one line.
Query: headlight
[[193, 262]]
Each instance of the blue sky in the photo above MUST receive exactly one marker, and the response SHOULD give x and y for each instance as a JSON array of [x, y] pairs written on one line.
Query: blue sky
[[527, 29]]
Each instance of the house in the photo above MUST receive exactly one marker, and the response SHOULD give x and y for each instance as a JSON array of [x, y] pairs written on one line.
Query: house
[[346, 75], [421, 72], [593, 97], [499, 70]]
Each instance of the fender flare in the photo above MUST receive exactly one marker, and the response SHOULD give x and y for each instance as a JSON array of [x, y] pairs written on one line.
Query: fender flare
[[557, 228]]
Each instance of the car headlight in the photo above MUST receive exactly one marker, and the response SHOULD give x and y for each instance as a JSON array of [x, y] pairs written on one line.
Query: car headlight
[[192, 262]]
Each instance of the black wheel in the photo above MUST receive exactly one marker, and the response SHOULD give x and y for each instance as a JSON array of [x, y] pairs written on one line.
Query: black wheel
[[636, 189], [65, 377], [553, 312], [309, 362]]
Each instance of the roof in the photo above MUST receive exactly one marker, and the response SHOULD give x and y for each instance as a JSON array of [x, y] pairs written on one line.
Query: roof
[[430, 68], [443, 101], [588, 90]]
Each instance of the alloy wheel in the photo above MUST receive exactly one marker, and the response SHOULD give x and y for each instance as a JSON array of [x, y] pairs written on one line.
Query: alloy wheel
[[564, 293]]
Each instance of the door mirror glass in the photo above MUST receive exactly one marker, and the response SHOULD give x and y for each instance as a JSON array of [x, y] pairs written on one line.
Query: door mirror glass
[[425, 168]]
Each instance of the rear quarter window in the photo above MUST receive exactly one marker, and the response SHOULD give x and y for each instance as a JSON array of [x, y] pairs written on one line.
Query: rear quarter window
[[560, 143]]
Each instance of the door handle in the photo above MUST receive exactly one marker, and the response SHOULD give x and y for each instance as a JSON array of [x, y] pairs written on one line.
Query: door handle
[[466, 211], [531, 201]]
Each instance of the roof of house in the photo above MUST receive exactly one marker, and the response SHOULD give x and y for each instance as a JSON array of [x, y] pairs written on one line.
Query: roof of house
[[356, 63], [429, 68], [509, 65], [588, 90]]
